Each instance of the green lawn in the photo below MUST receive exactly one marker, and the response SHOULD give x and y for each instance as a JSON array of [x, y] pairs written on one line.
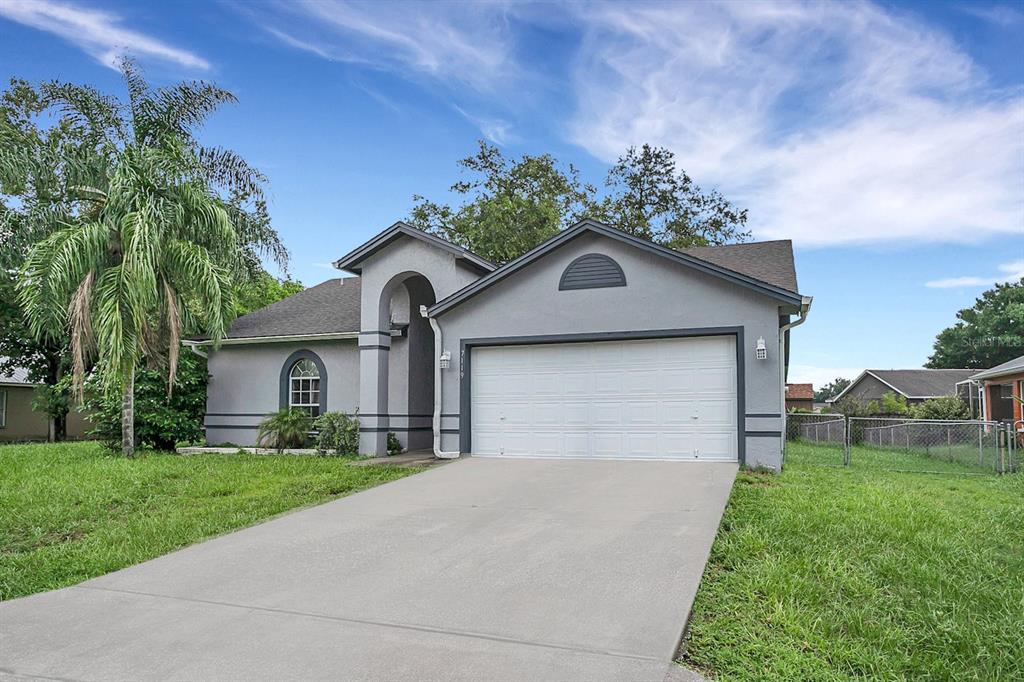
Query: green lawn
[[830, 573], [72, 511]]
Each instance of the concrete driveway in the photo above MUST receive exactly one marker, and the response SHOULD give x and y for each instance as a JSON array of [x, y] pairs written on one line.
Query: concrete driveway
[[484, 569]]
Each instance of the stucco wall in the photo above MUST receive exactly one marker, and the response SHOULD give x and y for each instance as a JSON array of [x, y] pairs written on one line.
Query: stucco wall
[[659, 295], [245, 384], [24, 424], [867, 389]]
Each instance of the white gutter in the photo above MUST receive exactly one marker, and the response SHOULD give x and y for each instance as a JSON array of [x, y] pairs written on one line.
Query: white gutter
[[285, 338], [805, 308], [438, 349]]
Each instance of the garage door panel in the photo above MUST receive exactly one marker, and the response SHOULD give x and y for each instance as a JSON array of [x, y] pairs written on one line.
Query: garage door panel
[[663, 398], [606, 413], [717, 411], [607, 383], [640, 382], [641, 412], [642, 444]]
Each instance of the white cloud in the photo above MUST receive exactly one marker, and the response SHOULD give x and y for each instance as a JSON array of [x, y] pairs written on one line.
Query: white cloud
[[494, 129], [1008, 272], [96, 32], [464, 43], [833, 123]]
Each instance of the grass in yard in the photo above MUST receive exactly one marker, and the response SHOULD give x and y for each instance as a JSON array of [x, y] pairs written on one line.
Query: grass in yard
[[829, 573], [71, 511]]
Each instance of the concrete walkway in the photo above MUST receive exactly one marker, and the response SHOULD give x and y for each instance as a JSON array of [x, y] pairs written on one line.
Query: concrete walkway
[[484, 569]]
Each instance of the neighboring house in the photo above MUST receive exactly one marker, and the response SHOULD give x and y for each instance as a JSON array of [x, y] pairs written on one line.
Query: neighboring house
[[800, 397], [593, 344], [916, 385], [1000, 385], [17, 419]]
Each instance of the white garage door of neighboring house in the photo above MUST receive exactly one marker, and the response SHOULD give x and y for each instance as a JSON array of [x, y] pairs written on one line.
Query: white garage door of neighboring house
[[649, 399]]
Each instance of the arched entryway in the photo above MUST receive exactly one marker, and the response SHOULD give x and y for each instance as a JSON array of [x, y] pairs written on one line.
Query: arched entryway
[[400, 354]]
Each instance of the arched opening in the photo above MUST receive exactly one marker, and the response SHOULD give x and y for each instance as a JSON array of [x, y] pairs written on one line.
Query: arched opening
[[410, 391]]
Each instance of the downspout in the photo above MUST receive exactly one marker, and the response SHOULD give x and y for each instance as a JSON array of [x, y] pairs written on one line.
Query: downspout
[[194, 347], [805, 308], [438, 349]]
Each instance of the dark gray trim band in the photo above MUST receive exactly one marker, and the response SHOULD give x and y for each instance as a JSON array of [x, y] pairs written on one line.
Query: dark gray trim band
[[449, 430], [466, 366], [385, 429], [415, 416], [237, 414], [231, 426], [387, 348], [287, 368], [592, 226], [766, 415], [592, 271], [764, 434]]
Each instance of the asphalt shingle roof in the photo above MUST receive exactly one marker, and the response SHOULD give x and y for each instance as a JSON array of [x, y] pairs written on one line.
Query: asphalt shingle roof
[[331, 307], [770, 262], [1009, 367], [930, 383]]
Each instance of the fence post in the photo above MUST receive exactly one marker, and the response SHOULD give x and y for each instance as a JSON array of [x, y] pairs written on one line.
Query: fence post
[[847, 437], [981, 446]]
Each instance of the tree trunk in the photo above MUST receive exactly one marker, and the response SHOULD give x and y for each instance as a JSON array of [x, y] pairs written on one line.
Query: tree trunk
[[57, 430], [128, 417]]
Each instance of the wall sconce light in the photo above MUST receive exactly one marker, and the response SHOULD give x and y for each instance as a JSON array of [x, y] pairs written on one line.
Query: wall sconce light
[[762, 351], [446, 359]]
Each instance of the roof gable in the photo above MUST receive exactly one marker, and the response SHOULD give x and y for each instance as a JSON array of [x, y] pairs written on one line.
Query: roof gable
[[736, 256], [914, 383], [352, 261]]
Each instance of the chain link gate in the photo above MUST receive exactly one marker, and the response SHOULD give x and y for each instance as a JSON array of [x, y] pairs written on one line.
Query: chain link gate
[[898, 444]]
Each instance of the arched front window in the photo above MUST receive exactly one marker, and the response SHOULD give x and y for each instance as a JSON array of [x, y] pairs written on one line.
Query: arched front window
[[304, 387]]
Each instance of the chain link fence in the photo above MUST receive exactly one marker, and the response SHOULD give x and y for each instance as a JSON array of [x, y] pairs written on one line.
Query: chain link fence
[[898, 444]]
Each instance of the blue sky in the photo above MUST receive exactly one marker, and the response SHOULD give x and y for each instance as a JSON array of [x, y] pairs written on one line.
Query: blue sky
[[886, 140]]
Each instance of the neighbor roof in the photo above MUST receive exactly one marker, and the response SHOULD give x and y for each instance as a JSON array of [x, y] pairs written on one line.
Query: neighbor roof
[[15, 376], [915, 383], [799, 391], [328, 308], [1015, 366], [352, 261], [766, 267]]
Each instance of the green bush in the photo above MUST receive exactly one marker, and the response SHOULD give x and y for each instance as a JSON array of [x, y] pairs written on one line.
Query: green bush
[[946, 407], [161, 422], [338, 433], [894, 404], [287, 428], [394, 446]]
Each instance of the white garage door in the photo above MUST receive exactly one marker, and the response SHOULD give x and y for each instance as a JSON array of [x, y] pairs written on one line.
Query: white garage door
[[650, 399]]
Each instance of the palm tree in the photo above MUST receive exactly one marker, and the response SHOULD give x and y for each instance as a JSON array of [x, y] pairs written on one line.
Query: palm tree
[[153, 248]]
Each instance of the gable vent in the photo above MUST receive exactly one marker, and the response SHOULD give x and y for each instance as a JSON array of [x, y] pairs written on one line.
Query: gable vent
[[592, 271]]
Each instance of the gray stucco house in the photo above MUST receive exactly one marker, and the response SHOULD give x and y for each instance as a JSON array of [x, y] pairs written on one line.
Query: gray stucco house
[[593, 344], [916, 385]]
